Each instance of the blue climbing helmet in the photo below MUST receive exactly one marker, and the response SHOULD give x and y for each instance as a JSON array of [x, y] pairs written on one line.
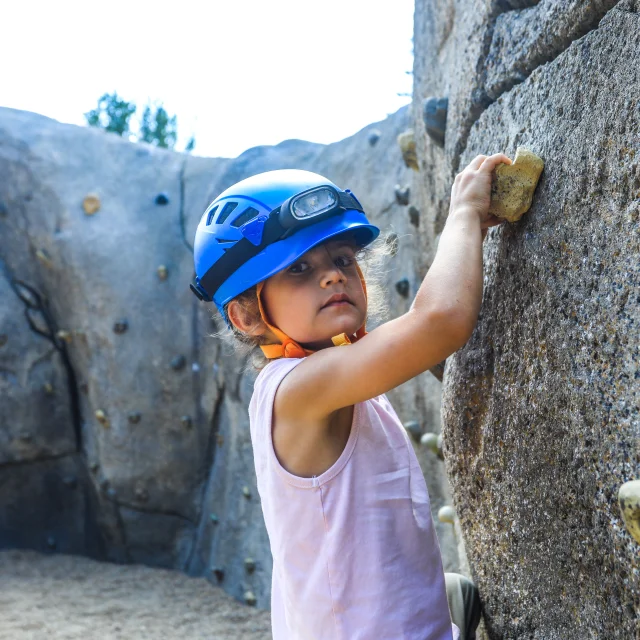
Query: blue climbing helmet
[[263, 224]]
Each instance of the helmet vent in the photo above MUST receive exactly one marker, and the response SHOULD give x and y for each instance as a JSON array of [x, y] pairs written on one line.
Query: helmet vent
[[228, 208], [211, 214], [245, 216]]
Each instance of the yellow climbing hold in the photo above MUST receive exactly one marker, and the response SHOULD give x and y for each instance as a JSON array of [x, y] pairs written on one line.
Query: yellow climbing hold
[[44, 258], [64, 335], [91, 204], [407, 143], [514, 184], [163, 272], [447, 514], [101, 417], [629, 501]]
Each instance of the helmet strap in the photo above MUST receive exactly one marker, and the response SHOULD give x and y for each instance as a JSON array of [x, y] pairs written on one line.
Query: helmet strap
[[290, 348]]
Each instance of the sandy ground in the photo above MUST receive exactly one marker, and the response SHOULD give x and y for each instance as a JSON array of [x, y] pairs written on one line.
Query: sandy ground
[[56, 597]]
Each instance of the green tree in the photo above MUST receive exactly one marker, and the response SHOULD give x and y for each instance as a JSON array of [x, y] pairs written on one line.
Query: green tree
[[111, 114], [157, 127]]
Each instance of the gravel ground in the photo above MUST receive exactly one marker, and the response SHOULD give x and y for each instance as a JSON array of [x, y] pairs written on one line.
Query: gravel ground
[[56, 597]]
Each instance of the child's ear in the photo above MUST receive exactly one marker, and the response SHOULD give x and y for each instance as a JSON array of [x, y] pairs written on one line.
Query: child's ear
[[244, 320]]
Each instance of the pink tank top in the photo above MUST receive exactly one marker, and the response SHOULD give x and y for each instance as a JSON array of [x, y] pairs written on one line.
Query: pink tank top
[[355, 555]]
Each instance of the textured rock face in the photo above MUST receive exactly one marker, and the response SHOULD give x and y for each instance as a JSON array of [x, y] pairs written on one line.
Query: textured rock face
[[540, 408], [124, 430]]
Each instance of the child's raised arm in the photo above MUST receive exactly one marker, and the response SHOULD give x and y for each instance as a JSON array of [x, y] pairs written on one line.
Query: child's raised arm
[[440, 321]]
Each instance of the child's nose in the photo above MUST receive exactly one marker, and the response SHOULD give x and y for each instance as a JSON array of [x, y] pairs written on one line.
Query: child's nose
[[332, 274]]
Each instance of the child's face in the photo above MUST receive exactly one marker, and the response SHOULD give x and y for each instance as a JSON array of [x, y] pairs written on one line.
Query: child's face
[[295, 299]]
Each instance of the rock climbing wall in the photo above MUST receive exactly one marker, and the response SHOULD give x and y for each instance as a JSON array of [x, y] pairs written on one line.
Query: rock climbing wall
[[124, 431], [540, 408]]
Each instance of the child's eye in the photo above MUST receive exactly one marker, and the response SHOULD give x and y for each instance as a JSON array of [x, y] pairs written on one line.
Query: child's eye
[[298, 267], [344, 261]]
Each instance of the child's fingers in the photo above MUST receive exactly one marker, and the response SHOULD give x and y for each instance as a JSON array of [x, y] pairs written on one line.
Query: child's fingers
[[477, 161], [493, 161]]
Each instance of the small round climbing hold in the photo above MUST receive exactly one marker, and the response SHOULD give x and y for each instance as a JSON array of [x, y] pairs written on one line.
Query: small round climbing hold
[[433, 442], [629, 501], [186, 421], [163, 272], [392, 243], [120, 326], [413, 429], [402, 194], [402, 287], [414, 216], [64, 335], [246, 492], [70, 481], [407, 144], [214, 518], [249, 598], [373, 137], [250, 565], [142, 495], [162, 199], [91, 204], [47, 387], [447, 514], [178, 363], [435, 118], [219, 573], [134, 417], [51, 542], [44, 258], [101, 417]]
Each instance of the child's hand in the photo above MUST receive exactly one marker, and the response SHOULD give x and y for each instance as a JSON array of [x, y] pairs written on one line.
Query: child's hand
[[471, 189]]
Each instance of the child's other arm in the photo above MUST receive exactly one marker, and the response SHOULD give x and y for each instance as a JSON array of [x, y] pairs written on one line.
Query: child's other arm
[[440, 321]]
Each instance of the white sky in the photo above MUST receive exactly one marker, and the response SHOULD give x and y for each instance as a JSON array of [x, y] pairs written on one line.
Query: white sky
[[237, 73]]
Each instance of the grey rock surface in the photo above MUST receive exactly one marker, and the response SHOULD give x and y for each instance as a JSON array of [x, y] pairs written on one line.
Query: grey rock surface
[[540, 408], [143, 407]]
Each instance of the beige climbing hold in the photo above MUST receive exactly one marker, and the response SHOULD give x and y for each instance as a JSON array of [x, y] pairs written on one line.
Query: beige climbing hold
[[433, 442], [101, 417], [513, 185], [246, 492], [64, 335], [48, 388], [447, 514], [91, 204], [163, 272], [44, 258], [407, 144], [629, 501], [249, 598]]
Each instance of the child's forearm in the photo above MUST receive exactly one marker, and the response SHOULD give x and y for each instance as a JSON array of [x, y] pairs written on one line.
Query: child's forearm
[[453, 284]]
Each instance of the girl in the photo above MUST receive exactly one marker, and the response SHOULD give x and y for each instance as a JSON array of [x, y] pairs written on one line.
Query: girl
[[345, 503]]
